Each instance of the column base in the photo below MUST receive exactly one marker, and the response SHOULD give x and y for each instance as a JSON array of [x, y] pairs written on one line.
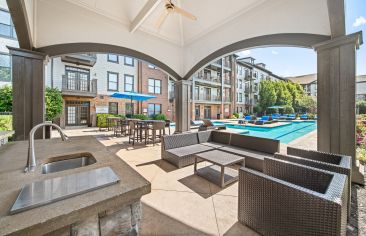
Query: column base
[[358, 174]]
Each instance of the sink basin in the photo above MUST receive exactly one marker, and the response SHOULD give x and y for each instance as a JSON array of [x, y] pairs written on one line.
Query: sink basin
[[73, 161]]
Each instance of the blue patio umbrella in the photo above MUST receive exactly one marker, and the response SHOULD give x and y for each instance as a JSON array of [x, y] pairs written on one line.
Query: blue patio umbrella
[[133, 96]]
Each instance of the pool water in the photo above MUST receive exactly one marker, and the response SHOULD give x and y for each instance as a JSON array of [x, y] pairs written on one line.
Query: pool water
[[285, 134]]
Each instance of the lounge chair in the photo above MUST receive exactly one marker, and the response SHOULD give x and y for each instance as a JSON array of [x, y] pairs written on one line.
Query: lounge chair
[[246, 119], [263, 120], [283, 117], [291, 117], [207, 124], [291, 199], [304, 117], [275, 116]]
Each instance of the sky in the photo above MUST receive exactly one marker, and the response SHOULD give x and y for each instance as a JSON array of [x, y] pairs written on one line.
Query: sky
[[289, 61]]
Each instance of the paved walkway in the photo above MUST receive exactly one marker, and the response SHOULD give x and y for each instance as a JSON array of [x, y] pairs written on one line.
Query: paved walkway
[[185, 204]]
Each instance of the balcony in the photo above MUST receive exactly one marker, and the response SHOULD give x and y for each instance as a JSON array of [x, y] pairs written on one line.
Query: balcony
[[249, 77], [210, 79], [79, 87], [227, 81], [207, 98], [86, 59]]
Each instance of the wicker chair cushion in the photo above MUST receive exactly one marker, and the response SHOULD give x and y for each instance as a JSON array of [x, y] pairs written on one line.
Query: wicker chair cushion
[[180, 140], [188, 150], [255, 143], [215, 145]]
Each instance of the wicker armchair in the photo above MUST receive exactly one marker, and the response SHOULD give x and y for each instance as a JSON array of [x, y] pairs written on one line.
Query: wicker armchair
[[292, 199], [326, 161]]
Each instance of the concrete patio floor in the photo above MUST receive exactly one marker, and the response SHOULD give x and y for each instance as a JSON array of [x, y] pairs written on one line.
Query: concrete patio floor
[[182, 203]]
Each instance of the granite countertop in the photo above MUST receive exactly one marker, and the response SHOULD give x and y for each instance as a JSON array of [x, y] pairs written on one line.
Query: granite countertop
[[13, 157]]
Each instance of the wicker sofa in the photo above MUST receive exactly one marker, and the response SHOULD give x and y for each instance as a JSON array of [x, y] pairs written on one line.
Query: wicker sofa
[[292, 199], [326, 161], [179, 149]]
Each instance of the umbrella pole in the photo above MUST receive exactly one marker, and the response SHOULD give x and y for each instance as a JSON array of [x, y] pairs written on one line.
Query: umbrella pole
[[132, 107]]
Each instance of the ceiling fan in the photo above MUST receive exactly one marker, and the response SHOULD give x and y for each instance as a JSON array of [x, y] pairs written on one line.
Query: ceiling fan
[[169, 9]]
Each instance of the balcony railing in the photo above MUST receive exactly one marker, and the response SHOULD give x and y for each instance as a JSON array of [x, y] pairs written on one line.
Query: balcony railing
[[79, 87], [249, 76], [227, 81], [86, 59], [207, 98]]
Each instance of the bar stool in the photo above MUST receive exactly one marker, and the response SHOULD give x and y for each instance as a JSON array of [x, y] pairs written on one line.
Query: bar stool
[[157, 126], [137, 132]]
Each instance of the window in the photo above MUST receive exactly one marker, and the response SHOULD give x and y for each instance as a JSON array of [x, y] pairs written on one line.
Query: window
[[113, 108], [153, 109], [112, 81], [240, 84], [129, 83], [76, 79], [113, 58], [129, 61], [6, 25], [5, 68], [240, 97], [151, 66], [129, 108], [155, 86]]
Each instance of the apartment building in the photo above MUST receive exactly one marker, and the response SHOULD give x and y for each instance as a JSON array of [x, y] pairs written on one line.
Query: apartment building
[[228, 85], [8, 37], [309, 84], [213, 90], [88, 80], [248, 77]]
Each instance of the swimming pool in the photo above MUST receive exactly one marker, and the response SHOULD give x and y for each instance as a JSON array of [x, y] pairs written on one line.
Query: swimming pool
[[285, 134]]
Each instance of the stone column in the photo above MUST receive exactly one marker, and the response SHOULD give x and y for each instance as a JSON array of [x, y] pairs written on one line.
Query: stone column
[[28, 91], [336, 98], [182, 106]]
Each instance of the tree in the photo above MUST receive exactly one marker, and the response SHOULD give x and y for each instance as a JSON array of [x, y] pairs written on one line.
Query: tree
[[54, 104], [283, 95], [267, 94], [306, 103], [6, 99], [361, 107]]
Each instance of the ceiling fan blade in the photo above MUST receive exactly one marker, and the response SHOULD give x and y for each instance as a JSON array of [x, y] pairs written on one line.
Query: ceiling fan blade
[[184, 13], [161, 19]]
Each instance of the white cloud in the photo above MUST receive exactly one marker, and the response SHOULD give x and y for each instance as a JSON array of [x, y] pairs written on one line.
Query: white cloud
[[245, 53], [275, 52], [359, 21]]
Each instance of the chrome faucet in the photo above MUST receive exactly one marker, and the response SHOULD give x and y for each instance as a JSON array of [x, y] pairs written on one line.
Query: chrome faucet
[[31, 162]]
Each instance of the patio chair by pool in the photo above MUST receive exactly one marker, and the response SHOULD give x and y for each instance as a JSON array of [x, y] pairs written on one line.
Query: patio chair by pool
[[283, 117], [263, 120], [275, 116], [304, 117], [245, 120], [291, 117], [292, 199]]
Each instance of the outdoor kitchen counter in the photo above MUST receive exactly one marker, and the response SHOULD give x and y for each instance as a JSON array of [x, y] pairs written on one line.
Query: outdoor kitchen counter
[[47, 218]]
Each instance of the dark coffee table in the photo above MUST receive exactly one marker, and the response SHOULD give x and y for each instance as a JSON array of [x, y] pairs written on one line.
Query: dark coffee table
[[217, 173]]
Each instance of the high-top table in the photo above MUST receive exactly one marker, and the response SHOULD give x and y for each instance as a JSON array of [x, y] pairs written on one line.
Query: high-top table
[[218, 173]]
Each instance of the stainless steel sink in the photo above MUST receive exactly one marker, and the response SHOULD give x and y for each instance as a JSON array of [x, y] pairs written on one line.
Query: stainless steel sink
[[73, 161]]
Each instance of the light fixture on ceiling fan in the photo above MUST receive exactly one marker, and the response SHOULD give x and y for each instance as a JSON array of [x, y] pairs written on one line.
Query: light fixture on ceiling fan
[[170, 8]]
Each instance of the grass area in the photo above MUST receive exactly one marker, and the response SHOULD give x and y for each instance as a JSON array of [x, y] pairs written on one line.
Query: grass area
[[6, 122]]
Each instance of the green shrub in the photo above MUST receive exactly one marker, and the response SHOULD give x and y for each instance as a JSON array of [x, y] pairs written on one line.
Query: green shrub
[[236, 115], [361, 107], [288, 110], [361, 154], [102, 119], [311, 116], [363, 116], [140, 116], [159, 117], [6, 99], [6, 122], [54, 103]]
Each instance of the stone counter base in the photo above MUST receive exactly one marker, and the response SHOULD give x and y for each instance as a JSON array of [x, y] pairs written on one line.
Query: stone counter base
[[121, 221]]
